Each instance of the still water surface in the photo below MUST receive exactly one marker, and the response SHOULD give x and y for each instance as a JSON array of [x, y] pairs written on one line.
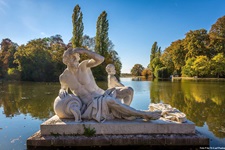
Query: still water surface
[[25, 105]]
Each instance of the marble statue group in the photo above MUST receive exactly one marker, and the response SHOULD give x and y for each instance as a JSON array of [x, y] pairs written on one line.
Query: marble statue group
[[87, 100], [90, 102]]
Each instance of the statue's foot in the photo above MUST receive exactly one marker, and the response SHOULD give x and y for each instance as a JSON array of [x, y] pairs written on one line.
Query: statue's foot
[[154, 115]]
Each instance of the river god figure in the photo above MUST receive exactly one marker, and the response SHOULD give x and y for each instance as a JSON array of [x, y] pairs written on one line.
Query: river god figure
[[97, 104]]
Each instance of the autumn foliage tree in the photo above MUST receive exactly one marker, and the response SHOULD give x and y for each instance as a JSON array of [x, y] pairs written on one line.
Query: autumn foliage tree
[[199, 54], [137, 70], [7, 51], [146, 72]]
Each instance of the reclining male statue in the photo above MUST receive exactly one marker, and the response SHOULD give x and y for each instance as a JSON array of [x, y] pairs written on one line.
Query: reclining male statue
[[123, 93], [97, 104]]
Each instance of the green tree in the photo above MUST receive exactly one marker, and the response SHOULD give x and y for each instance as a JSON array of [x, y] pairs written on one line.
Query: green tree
[[34, 61], [8, 48], [137, 70], [195, 54], [196, 43], [56, 39], [187, 69], [153, 51], [40, 59], [102, 39], [88, 42], [166, 59], [102, 46], [155, 58], [13, 74], [78, 27], [178, 54], [218, 65], [113, 58], [161, 72], [56, 50], [201, 66], [153, 55], [217, 37]]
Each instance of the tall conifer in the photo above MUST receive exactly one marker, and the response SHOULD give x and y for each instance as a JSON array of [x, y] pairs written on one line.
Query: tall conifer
[[78, 27], [102, 45], [102, 39]]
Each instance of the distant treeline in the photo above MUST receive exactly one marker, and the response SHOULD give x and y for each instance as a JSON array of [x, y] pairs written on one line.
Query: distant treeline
[[126, 75], [200, 54], [41, 59]]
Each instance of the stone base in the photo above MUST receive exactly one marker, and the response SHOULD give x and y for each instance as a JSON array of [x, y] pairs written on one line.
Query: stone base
[[65, 133], [56, 126], [177, 141]]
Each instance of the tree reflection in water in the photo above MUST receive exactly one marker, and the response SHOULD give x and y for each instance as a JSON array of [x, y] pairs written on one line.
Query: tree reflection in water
[[202, 102], [35, 99]]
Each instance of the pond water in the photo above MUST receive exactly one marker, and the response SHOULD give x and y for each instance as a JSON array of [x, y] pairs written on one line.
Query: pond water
[[25, 105]]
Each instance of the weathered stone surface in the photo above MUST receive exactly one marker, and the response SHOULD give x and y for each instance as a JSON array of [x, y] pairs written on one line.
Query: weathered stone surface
[[118, 126], [38, 140]]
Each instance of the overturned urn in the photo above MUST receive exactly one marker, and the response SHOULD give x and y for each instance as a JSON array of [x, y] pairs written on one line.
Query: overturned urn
[[68, 107]]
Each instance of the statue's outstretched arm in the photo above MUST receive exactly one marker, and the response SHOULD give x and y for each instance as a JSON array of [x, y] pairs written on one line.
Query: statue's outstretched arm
[[63, 92], [95, 60]]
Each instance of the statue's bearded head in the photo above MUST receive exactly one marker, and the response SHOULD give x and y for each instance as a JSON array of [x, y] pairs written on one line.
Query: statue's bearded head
[[70, 58]]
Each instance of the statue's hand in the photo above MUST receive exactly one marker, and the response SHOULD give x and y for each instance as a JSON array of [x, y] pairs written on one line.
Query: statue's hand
[[152, 115], [62, 93]]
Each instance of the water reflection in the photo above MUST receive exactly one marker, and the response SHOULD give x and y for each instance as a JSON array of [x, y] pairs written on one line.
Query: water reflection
[[140, 78], [202, 102], [35, 99]]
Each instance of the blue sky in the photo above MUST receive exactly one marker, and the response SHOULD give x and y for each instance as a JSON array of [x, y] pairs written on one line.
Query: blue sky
[[134, 25]]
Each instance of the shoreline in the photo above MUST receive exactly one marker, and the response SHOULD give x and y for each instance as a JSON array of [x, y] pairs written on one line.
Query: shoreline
[[178, 78], [197, 79]]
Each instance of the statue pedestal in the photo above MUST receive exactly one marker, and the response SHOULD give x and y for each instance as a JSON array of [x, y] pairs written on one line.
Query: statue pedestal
[[118, 126], [57, 132]]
